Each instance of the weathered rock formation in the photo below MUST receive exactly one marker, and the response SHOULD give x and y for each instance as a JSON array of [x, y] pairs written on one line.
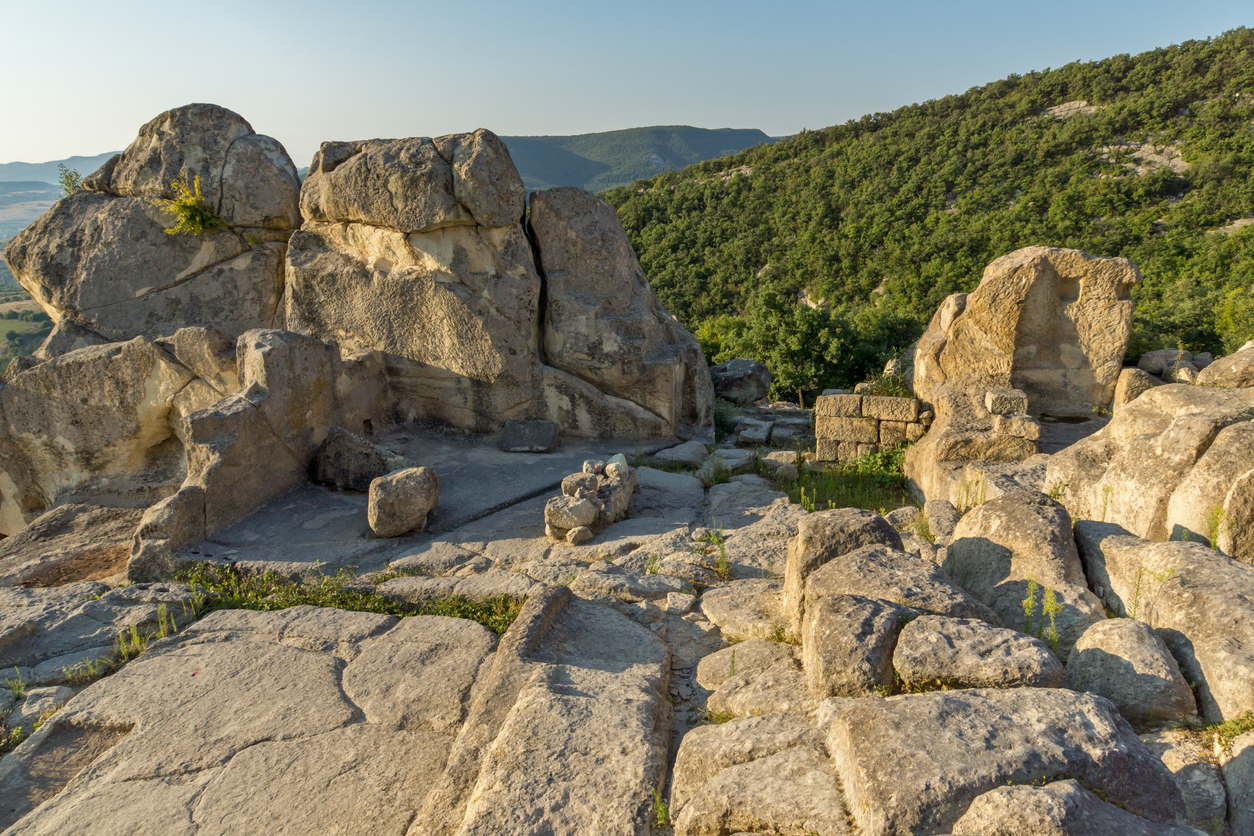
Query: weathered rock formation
[[101, 260], [1051, 322], [416, 248], [1175, 463]]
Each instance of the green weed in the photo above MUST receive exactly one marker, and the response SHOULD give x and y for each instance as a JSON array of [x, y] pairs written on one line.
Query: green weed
[[1162, 578], [188, 206], [873, 482], [16, 684], [1216, 524], [661, 814], [227, 588]]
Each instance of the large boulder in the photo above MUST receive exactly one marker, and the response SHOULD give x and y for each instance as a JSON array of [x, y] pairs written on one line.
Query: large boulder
[[1063, 808], [1052, 322], [1019, 542], [1173, 464], [602, 321], [1236, 371], [741, 381], [1126, 662], [822, 538], [101, 258], [93, 423], [1198, 602], [962, 744], [416, 248]]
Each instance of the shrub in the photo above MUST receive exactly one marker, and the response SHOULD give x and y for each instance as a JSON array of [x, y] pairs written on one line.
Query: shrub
[[188, 206]]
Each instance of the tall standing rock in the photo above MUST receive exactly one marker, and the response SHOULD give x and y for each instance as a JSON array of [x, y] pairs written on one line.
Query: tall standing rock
[[101, 258], [1052, 322], [390, 258], [603, 323]]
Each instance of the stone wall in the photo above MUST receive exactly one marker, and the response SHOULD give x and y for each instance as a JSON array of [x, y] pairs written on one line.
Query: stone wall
[[850, 426]]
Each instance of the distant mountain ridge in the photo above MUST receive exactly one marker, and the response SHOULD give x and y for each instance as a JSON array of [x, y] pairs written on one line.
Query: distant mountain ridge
[[601, 161], [47, 172]]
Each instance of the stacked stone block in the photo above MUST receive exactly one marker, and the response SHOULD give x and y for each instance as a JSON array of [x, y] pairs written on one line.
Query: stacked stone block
[[850, 426], [1009, 408]]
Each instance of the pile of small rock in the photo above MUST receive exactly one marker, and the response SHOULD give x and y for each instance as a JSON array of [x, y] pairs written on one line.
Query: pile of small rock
[[591, 499]]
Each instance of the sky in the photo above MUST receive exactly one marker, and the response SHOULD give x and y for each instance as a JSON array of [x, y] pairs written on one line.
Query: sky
[[82, 76]]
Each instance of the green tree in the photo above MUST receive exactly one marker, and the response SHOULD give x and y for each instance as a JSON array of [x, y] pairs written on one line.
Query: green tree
[[69, 179], [11, 336]]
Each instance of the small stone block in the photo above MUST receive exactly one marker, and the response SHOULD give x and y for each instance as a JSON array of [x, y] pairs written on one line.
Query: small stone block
[[890, 409], [827, 450], [892, 433], [529, 437], [1006, 401], [864, 430], [1019, 426], [839, 406], [851, 451], [914, 432]]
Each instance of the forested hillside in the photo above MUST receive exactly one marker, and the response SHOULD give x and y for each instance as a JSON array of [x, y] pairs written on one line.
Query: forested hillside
[[885, 216]]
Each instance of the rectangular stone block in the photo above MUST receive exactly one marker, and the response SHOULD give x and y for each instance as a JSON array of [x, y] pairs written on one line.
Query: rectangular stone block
[[1006, 401], [839, 406], [852, 451], [865, 430], [892, 433], [890, 409], [914, 432], [1020, 426], [827, 450]]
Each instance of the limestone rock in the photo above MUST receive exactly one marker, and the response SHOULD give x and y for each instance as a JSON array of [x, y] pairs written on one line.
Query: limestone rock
[[1236, 371], [1163, 360], [529, 436], [741, 381], [823, 537], [208, 353], [69, 543], [1005, 543], [1063, 808], [1165, 465], [779, 688], [898, 576], [603, 321], [690, 452], [942, 516], [742, 657], [1195, 599], [965, 653], [1201, 781], [1051, 322], [966, 743], [350, 462], [166, 528], [400, 501], [847, 645], [93, 422], [1238, 774], [708, 750], [625, 585], [793, 791], [1127, 663], [125, 277], [67, 335], [746, 609], [1132, 383]]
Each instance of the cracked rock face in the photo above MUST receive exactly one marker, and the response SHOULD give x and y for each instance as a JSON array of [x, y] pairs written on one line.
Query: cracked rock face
[[101, 258]]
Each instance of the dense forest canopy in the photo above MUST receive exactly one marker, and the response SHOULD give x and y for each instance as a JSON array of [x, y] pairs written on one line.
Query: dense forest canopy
[[884, 216]]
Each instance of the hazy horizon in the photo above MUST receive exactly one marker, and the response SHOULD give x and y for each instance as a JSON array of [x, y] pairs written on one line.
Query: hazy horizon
[[309, 72]]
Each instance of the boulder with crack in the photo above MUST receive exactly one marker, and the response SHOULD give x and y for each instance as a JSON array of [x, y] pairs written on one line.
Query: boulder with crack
[[100, 260]]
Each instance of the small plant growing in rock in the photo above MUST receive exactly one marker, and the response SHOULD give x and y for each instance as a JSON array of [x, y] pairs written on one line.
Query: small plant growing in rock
[[1057, 489], [661, 814], [1029, 605], [16, 684], [1216, 524], [652, 568], [1106, 492], [923, 529], [69, 180], [85, 672], [1052, 608], [188, 206], [1162, 578]]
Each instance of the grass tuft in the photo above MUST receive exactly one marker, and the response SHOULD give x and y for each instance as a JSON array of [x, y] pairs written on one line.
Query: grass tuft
[[227, 588]]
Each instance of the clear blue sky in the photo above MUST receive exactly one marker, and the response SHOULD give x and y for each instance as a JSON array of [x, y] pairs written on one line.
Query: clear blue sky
[[81, 76]]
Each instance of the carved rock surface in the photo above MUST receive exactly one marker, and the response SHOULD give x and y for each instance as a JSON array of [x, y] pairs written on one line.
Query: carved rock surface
[[1052, 322]]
